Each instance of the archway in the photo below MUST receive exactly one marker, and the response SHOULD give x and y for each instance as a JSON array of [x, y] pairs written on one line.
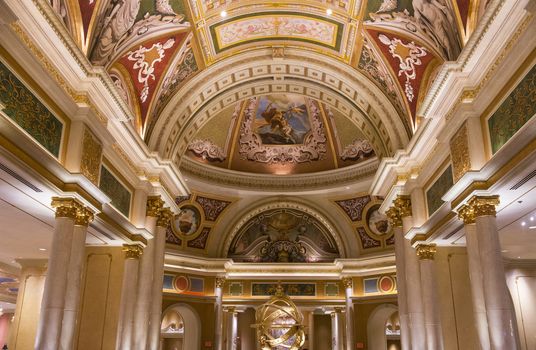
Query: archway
[[181, 328], [382, 321]]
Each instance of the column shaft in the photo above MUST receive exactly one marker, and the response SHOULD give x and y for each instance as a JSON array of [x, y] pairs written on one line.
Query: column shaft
[[125, 327], [158, 281], [349, 318], [500, 314], [477, 289], [74, 280], [144, 300], [405, 339], [49, 329], [218, 308], [311, 331], [432, 319], [336, 331]]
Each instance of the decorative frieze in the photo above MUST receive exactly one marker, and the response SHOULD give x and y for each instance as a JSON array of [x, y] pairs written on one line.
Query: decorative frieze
[[426, 251], [459, 153], [91, 157]]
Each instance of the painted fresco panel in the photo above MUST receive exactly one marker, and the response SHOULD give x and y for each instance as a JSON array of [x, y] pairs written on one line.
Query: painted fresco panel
[[114, 189], [518, 108], [290, 289], [438, 189], [25, 109]]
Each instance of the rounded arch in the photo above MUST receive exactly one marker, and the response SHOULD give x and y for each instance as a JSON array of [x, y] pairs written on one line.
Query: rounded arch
[[312, 75], [278, 203], [192, 325], [377, 339]]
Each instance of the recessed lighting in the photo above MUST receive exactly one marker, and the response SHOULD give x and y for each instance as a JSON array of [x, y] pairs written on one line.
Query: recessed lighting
[[532, 218], [523, 223], [42, 249], [504, 251], [329, 12], [519, 257], [223, 14], [347, 187]]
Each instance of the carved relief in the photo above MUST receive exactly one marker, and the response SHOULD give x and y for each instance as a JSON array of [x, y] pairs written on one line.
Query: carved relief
[[354, 207], [212, 208], [91, 157], [459, 153], [367, 241], [207, 149], [358, 149], [200, 241]]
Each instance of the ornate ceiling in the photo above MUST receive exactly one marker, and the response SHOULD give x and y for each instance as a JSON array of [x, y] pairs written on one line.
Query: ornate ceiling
[[152, 49]]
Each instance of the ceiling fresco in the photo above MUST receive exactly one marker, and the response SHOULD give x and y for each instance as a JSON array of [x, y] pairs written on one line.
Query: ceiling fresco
[[280, 134], [283, 235], [152, 47]]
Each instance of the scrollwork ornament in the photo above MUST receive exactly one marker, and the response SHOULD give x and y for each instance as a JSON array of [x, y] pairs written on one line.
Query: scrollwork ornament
[[132, 251], [154, 205], [403, 205], [484, 205], [65, 207], [426, 251], [164, 217], [394, 216]]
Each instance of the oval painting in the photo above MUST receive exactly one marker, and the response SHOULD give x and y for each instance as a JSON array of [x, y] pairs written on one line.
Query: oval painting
[[378, 223], [187, 221]]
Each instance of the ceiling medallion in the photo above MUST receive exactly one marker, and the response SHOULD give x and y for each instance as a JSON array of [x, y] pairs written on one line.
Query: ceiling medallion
[[278, 138]]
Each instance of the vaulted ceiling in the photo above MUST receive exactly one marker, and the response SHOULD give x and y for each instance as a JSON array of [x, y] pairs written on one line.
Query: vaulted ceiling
[[180, 64]]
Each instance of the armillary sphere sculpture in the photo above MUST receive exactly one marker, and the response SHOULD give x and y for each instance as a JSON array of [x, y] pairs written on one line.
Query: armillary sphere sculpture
[[279, 323]]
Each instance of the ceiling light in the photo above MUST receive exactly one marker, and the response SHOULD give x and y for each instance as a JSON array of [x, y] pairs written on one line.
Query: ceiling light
[[532, 218], [523, 223], [329, 12], [519, 257], [532, 227], [223, 14], [347, 187], [42, 249]]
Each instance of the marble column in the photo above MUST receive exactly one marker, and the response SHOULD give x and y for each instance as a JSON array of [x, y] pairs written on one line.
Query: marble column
[[31, 285], [52, 306], [349, 291], [432, 319], [218, 309], [129, 287], [311, 330], [162, 223], [232, 328], [337, 329], [396, 223], [466, 213], [413, 279], [146, 282], [74, 278], [499, 309]]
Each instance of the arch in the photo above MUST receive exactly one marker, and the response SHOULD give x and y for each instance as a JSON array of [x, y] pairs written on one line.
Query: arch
[[242, 76], [377, 339], [271, 204], [192, 325]]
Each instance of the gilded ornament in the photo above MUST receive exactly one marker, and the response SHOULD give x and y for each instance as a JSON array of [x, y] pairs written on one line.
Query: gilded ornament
[[467, 214], [91, 157], [154, 205], [403, 205], [394, 215], [83, 216], [483, 205], [65, 207], [459, 153], [132, 251], [164, 217], [347, 282], [220, 281], [426, 251]]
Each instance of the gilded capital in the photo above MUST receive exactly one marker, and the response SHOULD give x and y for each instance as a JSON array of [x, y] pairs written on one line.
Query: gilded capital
[[426, 251], [154, 205], [467, 214], [394, 216], [164, 217], [83, 216], [483, 205], [132, 251], [219, 282], [347, 282], [65, 207], [403, 205]]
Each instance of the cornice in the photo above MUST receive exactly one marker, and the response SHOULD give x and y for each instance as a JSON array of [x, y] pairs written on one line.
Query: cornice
[[265, 182]]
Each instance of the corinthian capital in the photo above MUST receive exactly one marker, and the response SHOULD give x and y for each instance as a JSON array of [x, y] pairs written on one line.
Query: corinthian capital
[[403, 205], [483, 205], [83, 216], [426, 251], [164, 217], [467, 214], [65, 207], [394, 216], [154, 205]]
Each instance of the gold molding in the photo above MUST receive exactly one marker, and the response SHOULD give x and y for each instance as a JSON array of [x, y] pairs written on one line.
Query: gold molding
[[459, 153], [165, 215], [219, 282], [132, 251], [91, 157], [347, 282], [426, 251], [467, 214], [65, 207], [402, 203], [394, 215], [154, 206], [83, 216], [483, 205]]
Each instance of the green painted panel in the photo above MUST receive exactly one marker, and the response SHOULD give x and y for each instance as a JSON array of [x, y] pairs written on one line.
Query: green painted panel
[[114, 189], [25, 109], [518, 108], [438, 189]]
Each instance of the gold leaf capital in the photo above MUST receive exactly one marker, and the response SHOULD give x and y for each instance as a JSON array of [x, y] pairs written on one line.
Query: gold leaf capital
[[484, 205], [164, 217], [426, 251], [132, 251], [154, 205], [394, 216], [403, 205]]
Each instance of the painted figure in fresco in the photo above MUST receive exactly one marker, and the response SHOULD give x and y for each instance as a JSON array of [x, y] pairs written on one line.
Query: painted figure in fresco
[[437, 19], [279, 122]]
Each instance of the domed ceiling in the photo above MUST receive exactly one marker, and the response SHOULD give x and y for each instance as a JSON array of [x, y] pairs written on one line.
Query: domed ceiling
[[151, 48], [280, 134]]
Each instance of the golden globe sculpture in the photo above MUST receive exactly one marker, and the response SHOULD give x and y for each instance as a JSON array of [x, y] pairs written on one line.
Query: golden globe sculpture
[[279, 323]]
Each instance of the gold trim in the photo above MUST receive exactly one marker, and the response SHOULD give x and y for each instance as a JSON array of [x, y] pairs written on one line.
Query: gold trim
[[426, 251], [483, 205], [164, 217], [65, 207], [132, 251], [402, 203], [154, 206]]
